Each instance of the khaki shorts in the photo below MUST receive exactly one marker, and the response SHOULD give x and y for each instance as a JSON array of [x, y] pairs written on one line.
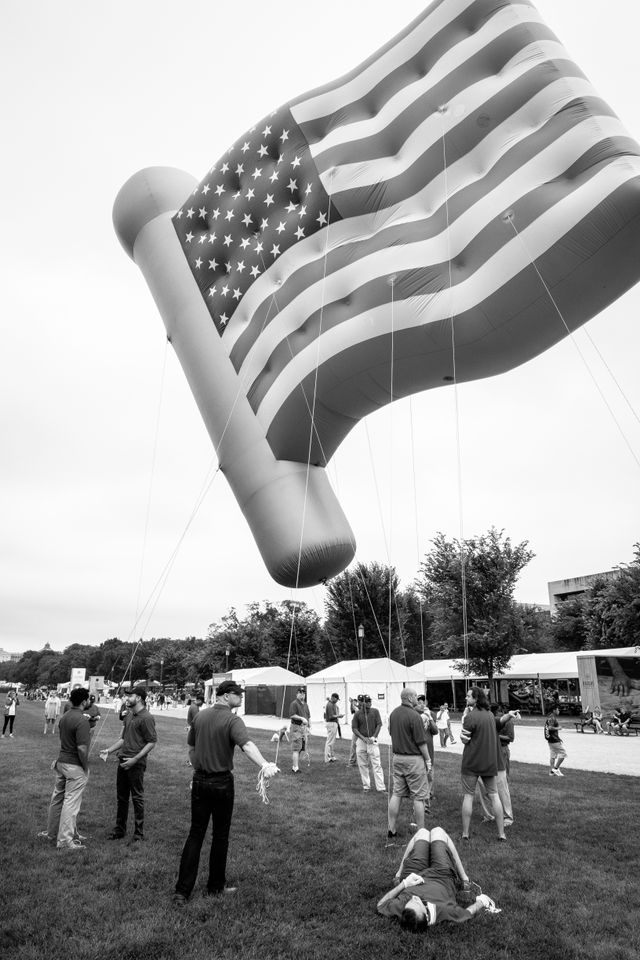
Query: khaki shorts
[[410, 777], [556, 750], [297, 734]]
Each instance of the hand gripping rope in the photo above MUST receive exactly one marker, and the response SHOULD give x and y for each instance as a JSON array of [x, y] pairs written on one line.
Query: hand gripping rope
[[267, 771]]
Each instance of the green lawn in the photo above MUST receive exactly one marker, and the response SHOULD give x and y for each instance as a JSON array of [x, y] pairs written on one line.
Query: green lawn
[[310, 865]]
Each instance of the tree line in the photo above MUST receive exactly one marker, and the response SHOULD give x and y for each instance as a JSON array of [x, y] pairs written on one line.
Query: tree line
[[461, 602]]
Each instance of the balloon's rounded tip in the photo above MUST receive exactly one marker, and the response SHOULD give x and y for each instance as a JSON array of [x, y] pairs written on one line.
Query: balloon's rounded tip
[[316, 564], [146, 195]]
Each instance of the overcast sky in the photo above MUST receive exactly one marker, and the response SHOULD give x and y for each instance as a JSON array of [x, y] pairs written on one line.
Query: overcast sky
[[89, 516]]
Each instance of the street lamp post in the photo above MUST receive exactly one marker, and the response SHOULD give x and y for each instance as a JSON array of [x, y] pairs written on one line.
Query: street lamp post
[[161, 669], [227, 651], [361, 641]]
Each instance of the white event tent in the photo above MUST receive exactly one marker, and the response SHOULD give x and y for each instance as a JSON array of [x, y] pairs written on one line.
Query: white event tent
[[536, 667], [560, 665], [274, 679], [381, 678]]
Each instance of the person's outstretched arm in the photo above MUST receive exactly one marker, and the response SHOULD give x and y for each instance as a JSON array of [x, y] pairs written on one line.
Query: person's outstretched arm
[[250, 750]]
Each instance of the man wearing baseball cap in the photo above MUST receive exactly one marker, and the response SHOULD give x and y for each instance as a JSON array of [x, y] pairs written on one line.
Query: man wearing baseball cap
[[299, 729], [212, 739], [332, 719], [366, 726], [136, 743]]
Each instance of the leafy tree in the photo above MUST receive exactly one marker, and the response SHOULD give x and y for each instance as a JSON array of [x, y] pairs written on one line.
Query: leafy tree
[[191, 655], [612, 608], [26, 670], [286, 634], [78, 655], [536, 628], [489, 567], [369, 595], [417, 627], [569, 626]]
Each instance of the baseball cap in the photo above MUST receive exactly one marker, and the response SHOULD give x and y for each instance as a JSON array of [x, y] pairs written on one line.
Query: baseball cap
[[334, 696], [140, 691], [228, 686]]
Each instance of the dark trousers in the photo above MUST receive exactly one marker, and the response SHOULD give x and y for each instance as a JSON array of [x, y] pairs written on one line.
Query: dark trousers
[[8, 722], [211, 798], [130, 783]]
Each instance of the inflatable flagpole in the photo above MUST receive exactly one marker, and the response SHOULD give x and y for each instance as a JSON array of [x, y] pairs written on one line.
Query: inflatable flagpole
[[296, 520]]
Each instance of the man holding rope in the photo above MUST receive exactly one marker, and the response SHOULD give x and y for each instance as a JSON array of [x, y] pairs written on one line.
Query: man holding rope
[[332, 719], [299, 730], [212, 738]]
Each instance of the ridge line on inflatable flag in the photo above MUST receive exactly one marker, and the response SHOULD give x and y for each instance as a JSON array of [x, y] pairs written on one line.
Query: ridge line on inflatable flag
[[465, 160]]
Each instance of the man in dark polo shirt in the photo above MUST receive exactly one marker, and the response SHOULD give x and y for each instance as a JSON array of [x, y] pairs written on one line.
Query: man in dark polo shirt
[[194, 709], [137, 741], [92, 713], [213, 737], [479, 759], [411, 760], [426, 892], [72, 774]]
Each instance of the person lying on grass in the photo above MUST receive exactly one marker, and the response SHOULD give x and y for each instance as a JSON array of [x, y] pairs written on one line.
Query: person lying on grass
[[426, 891]]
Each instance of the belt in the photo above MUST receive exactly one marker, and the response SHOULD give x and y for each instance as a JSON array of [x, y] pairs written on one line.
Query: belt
[[210, 776]]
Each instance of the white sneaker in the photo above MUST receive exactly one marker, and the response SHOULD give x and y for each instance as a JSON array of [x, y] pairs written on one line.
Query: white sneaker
[[559, 772]]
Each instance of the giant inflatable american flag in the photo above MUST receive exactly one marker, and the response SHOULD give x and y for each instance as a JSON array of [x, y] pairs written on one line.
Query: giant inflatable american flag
[[416, 192], [448, 210]]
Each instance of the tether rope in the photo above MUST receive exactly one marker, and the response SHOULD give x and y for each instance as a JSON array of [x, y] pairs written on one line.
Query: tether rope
[[634, 412], [152, 476], [463, 582], [162, 579], [417, 528], [312, 429], [509, 218], [392, 281]]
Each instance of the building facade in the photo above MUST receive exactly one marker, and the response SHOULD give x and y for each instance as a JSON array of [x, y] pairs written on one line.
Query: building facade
[[560, 590]]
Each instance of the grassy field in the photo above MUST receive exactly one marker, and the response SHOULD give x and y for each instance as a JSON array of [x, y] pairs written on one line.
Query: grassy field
[[310, 865]]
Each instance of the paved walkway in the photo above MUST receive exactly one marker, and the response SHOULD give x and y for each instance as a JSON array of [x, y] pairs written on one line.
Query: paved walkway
[[585, 751]]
